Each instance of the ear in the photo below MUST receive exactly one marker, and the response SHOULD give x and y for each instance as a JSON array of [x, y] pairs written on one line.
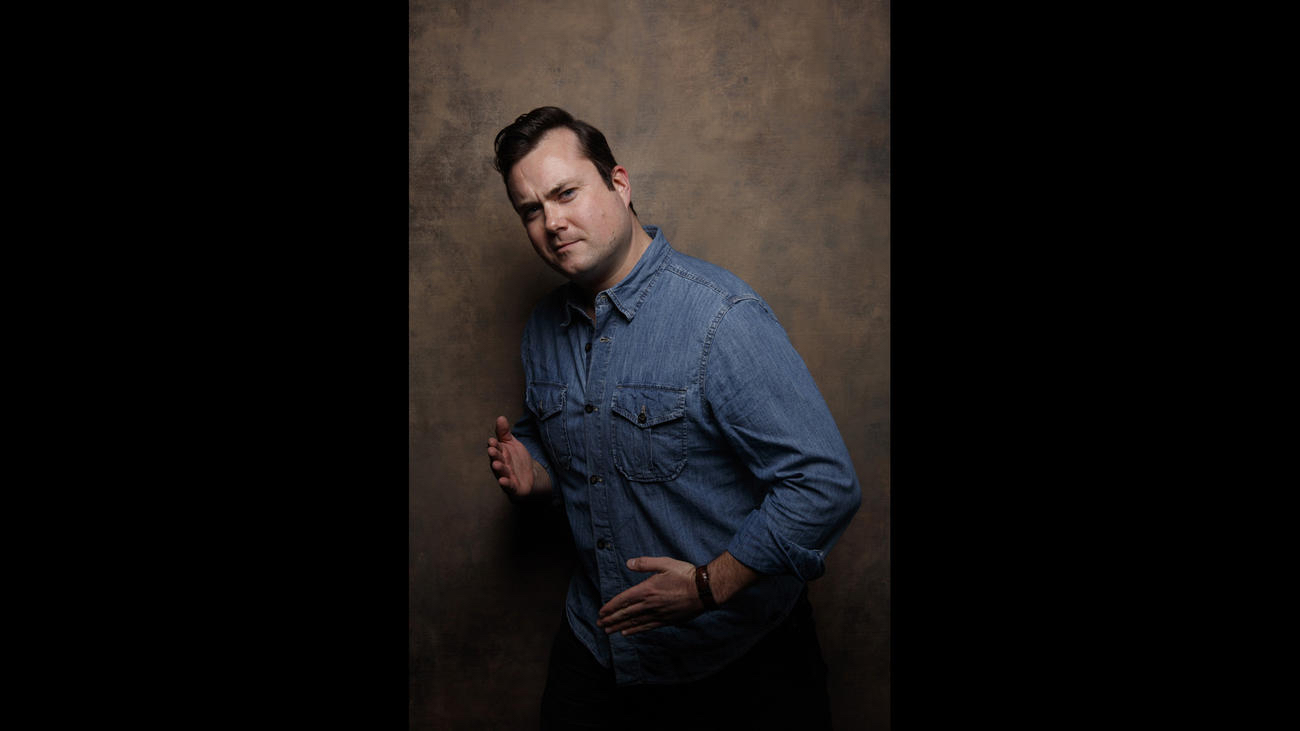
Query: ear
[[622, 184]]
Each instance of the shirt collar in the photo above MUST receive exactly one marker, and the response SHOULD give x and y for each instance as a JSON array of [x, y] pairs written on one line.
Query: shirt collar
[[629, 293]]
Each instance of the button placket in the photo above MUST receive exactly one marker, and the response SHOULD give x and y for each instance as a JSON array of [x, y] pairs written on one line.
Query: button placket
[[610, 568]]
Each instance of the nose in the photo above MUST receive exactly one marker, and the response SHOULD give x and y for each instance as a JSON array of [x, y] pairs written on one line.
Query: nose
[[554, 221]]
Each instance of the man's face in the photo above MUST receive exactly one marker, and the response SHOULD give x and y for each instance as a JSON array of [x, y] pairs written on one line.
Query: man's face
[[579, 227]]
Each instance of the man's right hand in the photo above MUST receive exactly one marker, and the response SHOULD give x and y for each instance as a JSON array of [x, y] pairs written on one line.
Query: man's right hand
[[516, 471]]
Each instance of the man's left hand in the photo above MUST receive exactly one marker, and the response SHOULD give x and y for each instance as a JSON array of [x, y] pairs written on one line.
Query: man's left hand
[[668, 597]]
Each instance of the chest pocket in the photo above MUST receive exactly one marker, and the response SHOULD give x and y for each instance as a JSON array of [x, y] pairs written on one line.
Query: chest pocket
[[546, 401], [649, 427]]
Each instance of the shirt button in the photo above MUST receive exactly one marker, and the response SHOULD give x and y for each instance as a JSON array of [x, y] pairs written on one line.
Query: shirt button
[[595, 479], [588, 347], [589, 408], [602, 544]]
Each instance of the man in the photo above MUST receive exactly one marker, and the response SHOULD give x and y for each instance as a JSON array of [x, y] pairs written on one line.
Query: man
[[700, 470]]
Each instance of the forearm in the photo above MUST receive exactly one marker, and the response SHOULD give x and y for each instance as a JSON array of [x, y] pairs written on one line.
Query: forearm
[[727, 576]]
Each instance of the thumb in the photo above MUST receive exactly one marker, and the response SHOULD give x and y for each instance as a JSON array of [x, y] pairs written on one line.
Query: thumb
[[649, 563], [503, 429]]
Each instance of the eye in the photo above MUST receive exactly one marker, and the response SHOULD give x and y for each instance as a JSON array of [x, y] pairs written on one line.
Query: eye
[[529, 212], [568, 194]]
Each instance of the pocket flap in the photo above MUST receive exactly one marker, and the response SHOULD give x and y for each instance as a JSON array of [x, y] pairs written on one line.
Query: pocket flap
[[545, 399], [647, 406]]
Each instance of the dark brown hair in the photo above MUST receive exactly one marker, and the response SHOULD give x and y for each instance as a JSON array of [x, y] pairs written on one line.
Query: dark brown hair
[[521, 136]]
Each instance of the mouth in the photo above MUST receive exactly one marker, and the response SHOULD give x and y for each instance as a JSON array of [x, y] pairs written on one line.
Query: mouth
[[562, 245]]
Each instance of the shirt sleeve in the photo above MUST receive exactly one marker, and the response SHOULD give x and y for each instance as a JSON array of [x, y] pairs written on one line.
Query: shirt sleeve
[[769, 408]]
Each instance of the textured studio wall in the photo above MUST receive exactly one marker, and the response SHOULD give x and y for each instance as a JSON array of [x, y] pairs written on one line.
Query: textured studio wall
[[757, 135]]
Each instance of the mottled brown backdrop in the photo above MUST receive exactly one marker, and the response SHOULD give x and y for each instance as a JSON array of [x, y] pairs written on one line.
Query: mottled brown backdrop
[[757, 135]]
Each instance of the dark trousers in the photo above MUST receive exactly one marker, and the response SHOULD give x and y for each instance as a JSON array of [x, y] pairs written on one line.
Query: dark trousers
[[779, 684]]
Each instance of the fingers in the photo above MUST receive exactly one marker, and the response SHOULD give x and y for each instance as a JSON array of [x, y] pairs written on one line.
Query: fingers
[[504, 475], [632, 616], [621, 603], [507, 457], [641, 628], [628, 615], [651, 563], [497, 458], [636, 594], [500, 468]]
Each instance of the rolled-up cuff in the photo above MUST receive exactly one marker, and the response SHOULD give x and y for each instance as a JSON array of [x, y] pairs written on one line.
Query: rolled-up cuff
[[760, 547]]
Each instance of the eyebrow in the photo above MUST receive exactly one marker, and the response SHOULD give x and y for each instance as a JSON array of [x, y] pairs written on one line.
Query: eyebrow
[[559, 188]]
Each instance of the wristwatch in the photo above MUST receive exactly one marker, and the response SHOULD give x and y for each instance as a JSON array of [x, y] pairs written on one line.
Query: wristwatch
[[702, 586]]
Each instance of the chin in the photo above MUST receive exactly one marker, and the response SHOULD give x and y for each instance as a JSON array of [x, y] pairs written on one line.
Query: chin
[[569, 271], [572, 267]]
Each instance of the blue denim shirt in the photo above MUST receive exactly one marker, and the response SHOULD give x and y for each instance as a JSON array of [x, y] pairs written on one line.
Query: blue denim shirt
[[682, 423]]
